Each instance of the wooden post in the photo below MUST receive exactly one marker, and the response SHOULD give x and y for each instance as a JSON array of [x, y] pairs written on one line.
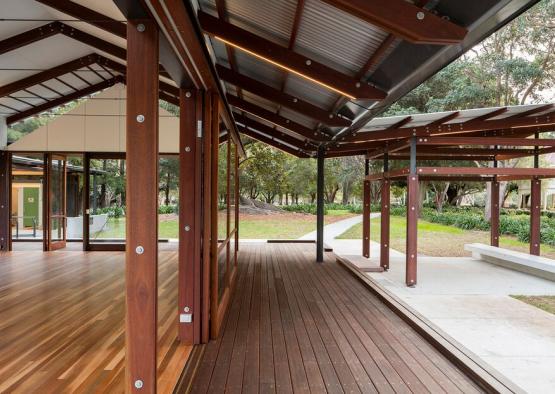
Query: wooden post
[[141, 257], [366, 212], [206, 218], [384, 227], [320, 206], [412, 218], [45, 201], [535, 206], [214, 297], [494, 212], [5, 193], [189, 220], [86, 202], [535, 216]]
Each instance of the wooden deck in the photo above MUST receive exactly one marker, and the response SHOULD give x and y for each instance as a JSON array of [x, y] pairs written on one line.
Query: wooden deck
[[298, 326], [62, 322]]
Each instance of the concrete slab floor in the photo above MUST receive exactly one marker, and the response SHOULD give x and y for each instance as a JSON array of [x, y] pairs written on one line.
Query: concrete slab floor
[[470, 300]]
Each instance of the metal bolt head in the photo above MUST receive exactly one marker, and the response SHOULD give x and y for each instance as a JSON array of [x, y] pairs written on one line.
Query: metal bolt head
[[295, 100], [140, 118], [138, 384], [187, 149], [357, 84], [139, 249], [330, 116], [420, 15], [188, 94], [308, 62], [186, 309], [140, 27], [187, 228]]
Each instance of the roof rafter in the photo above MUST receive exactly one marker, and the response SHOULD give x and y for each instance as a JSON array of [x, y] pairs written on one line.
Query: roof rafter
[[86, 14], [20, 40], [276, 119], [63, 100], [287, 59], [273, 142], [44, 76], [404, 19], [273, 133], [279, 97]]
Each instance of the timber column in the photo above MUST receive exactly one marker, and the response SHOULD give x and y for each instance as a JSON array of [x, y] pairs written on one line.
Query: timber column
[[141, 256], [5, 192], [535, 207], [190, 221], [366, 212], [320, 206], [494, 210], [385, 206], [412, 218]]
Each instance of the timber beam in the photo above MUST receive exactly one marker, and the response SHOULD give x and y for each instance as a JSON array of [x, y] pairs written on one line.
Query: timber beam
[[276, 119], [297, 152], [87, 15], [287, 59], [506, 125], [507, 141], [274, 133], [64, 99], [405, 20], [281, 98], [49, 74]]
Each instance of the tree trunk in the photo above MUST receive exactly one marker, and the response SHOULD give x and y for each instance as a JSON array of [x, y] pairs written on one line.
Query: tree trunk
[[167, 189], [346, 193]]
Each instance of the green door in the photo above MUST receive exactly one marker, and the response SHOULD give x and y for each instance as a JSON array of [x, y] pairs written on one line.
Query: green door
[[30, 205]]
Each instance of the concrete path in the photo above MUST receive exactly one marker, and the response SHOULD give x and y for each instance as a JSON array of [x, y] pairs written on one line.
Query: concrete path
[[336, 229], [469, 299]]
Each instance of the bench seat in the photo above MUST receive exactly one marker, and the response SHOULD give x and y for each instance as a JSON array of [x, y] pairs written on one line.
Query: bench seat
[[524, 262]]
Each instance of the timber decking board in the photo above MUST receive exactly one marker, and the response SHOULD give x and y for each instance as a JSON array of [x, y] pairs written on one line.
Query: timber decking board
[[298, 326], [62, 322]]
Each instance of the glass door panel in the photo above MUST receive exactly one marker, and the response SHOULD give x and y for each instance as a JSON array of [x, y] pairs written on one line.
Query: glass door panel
[[56, 236], [105, 215]]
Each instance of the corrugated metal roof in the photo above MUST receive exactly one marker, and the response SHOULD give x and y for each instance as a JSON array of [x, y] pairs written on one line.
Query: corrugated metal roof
[[309, 91], [270, 18], [336, 38], [464, 116]]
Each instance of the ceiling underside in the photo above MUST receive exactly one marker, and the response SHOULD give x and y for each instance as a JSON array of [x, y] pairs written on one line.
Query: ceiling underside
[[49, 58]]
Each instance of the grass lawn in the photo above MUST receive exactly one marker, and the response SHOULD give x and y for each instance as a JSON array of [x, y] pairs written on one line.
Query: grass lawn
[[546, 303], [437, 239], [274, 226]]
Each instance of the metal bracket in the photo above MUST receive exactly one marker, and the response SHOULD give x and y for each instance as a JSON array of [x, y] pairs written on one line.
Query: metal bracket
[[186, 318], [199, 128]]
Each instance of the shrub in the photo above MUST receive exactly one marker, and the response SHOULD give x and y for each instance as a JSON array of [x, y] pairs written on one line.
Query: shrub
[[167, 209], [113, 212]]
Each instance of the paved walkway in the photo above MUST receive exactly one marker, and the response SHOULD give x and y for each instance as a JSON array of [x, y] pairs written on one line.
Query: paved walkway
[[336, 229], [470, 300]]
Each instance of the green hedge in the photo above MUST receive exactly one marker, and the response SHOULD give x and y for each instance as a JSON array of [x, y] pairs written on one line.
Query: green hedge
[[469, 218], [302, 208]]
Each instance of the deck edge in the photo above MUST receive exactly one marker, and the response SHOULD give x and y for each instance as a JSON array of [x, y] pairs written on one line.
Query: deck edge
[[469, 363], [185, 381]]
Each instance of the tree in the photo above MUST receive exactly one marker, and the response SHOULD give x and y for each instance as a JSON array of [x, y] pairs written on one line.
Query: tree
[[263, 173], [168, 176]]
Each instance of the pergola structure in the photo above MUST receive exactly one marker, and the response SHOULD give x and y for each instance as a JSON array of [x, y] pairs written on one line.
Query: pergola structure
[[486, 135], [306, 77]]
